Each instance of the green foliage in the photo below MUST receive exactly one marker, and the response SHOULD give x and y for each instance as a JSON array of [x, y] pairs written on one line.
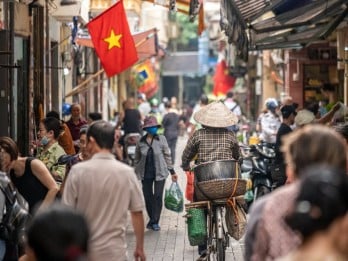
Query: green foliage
[[187, 30]]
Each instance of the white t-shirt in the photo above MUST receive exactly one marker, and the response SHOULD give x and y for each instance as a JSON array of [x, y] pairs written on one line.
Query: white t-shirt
[[231, 104]]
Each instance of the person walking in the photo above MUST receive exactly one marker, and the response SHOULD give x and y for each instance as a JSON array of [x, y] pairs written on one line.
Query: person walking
[[152, 164], [171, 127], [288, 118], [270, 122], [104, 190]]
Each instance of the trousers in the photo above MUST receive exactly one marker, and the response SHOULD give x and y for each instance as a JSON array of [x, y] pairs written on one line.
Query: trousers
[[153, 195]]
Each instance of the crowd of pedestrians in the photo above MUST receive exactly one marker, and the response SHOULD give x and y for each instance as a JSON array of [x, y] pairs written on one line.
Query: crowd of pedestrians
[[96, 190]]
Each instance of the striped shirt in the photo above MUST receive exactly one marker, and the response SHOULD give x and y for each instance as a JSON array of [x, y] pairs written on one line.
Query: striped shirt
[[210, 144]]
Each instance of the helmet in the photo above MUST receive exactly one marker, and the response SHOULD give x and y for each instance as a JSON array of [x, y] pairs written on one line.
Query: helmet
[[66, 109], [154, 102], [271, 104]]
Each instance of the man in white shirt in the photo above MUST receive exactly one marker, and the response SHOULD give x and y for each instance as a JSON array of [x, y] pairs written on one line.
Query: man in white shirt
[[104, 190]]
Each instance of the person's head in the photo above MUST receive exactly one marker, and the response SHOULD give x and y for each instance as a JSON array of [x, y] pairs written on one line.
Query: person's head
[[8, 153], [327, 89], [83, 141], [167, 105], [129, 103], [204, 99], [100, 136], [151, 125], [141, 98], [271, 105], [94, 116], [304, 117], [76, 111], [154, 102], [321, 202], [49, 130], [314, 108], [173, 101], [288, 113], [229, 94], [313, 144], [53, 114], [287, 100], [57, 233]]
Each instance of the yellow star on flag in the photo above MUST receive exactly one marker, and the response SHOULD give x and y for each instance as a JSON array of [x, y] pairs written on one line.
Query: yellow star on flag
[[113, 40]]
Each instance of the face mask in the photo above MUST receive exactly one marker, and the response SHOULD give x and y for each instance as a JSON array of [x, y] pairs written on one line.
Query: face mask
[[44, 141], [152, 130]]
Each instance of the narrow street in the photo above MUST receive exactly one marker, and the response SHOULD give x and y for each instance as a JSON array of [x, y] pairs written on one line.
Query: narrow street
[[171, 242]]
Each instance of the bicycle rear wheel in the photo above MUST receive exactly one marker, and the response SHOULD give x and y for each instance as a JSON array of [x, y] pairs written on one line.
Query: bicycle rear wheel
[[218, 243]]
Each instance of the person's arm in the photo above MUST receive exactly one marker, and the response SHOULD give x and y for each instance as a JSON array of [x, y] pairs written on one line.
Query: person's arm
[[328, 116], [138, 226], [69, 196], [41, 172], [189, 152]]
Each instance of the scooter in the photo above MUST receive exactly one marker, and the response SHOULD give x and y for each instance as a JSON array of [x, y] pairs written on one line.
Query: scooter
[[257, 163], [130, 143]]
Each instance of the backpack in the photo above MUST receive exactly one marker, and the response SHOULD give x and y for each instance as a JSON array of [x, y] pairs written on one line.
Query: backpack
[[15, 212]]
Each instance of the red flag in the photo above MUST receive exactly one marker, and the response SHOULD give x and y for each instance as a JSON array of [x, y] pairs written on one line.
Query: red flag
[[223, 82], [112, 39]]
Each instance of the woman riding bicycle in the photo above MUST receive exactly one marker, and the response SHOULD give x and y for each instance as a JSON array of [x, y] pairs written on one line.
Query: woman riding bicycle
[[211, 143]]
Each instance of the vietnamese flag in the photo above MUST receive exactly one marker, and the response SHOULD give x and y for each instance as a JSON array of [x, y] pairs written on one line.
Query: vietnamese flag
[[112, 39], [223, 82]]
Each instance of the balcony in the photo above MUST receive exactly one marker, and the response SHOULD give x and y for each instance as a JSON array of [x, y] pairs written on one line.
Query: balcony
[[65, 13]]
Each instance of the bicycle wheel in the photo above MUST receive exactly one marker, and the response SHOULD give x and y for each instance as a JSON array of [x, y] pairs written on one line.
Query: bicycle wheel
[[220, 250], [218, 243]]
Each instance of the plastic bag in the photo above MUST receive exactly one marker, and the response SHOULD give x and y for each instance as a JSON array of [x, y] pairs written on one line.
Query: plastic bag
[[189, 185], [174, 199]]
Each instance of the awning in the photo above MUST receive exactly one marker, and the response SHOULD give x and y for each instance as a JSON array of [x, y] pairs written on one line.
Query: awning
[[260, 24], [146, 43]]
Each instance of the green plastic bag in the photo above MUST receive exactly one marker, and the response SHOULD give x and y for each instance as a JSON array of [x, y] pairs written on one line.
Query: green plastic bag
[[196, 226], [174, 199]]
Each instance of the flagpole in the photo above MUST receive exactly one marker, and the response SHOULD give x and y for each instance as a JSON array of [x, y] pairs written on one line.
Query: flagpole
[[77, 88]]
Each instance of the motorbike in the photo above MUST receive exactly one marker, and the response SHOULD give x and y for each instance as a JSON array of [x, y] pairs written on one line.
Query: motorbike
[[257, 165], [130, 142]]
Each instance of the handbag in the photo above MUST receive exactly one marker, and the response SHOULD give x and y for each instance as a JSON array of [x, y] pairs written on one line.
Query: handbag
[[235, 219]]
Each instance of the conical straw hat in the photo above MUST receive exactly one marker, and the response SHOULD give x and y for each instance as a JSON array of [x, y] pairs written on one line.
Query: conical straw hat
[[216, 115]]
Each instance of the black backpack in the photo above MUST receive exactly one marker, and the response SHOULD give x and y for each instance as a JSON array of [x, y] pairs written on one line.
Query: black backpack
[[15, 212]]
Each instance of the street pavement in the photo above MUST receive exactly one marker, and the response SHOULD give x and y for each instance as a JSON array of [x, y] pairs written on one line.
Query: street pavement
[[171, 242]]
